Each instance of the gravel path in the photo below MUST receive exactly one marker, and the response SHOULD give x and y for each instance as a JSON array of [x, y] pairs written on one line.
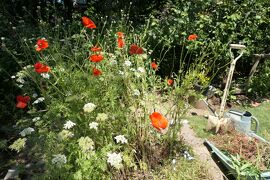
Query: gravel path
[[201, 152]]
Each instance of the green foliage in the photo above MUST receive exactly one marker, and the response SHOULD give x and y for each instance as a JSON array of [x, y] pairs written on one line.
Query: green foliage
[[215, 22], [244, 169], [18, 145], [259, 85]]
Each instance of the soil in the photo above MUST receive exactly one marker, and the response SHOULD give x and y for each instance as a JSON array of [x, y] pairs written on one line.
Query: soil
[[201, 152], [249, 149]]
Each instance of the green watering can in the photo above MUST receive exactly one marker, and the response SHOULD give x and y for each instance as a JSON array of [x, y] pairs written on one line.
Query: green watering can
[[243, 120]]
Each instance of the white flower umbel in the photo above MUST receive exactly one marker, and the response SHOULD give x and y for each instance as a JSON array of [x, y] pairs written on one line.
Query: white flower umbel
[[86, 144], [20, 80], [59, 160], [113, 62], [36, 119], [127, 63], [121, 73], [38, 100], [45, 75], [136, 92], [120, 139], [101, 117], [93, 125], [65, 134], [89, 107], [115, 160], [141, 70], [69, 124], [26, 131], [35, 95]]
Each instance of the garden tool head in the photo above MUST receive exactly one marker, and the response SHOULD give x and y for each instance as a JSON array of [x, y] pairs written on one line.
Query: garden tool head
[[237, 46]]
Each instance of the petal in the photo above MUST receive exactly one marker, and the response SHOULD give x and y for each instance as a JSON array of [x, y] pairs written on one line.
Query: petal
[[21, 105]]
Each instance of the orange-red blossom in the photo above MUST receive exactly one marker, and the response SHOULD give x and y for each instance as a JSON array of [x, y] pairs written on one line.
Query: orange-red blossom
[[159, 122]]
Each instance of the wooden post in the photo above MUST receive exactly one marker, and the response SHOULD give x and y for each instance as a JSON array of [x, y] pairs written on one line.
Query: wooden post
[[257, 57]]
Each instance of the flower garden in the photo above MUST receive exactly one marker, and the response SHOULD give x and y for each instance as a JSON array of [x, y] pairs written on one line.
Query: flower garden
[[95, 98]]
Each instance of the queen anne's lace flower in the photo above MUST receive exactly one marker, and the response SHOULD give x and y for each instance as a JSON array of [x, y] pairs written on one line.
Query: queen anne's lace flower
[[121, 73], [127, 63], [121, 139], [113, 62], [59, 160], [89, 107], [101, 117], [93, 125], [86, 144], [136, 92], [26, 131], [45, 75], [115, 160], [69, 124], [36, 119], [141, 70], [65, 134]]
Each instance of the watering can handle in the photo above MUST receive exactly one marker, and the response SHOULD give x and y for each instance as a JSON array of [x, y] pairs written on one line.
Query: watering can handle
[[257, 124]]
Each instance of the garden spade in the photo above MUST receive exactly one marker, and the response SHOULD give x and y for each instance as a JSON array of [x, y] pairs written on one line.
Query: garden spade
[[230, 75]]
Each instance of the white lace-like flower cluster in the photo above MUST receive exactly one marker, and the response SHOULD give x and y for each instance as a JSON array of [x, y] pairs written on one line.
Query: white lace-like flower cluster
[[121, 73], [113, 62], [69, 124], [141, 70], [89, 107], [26, 131], [36, 119], [115, 160], [127, 63], [136, 92], [45, 75], [86, 144], [101, 117], [59, 160], [93, 125], [65, 134], [120, 139]]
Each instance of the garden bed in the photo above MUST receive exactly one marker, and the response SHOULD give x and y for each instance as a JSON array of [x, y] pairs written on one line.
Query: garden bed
[[242, 155]]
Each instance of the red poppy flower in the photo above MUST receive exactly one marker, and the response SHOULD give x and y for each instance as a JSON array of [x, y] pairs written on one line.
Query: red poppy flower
[[134, 49], [41, 68], [96, 57], [96, 49], [96, 72], [159, 121], [22, 101], [120, 42], [88, 23], [192, 37], [154, 65], [41, 44], [170, 82], [120, 35]]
